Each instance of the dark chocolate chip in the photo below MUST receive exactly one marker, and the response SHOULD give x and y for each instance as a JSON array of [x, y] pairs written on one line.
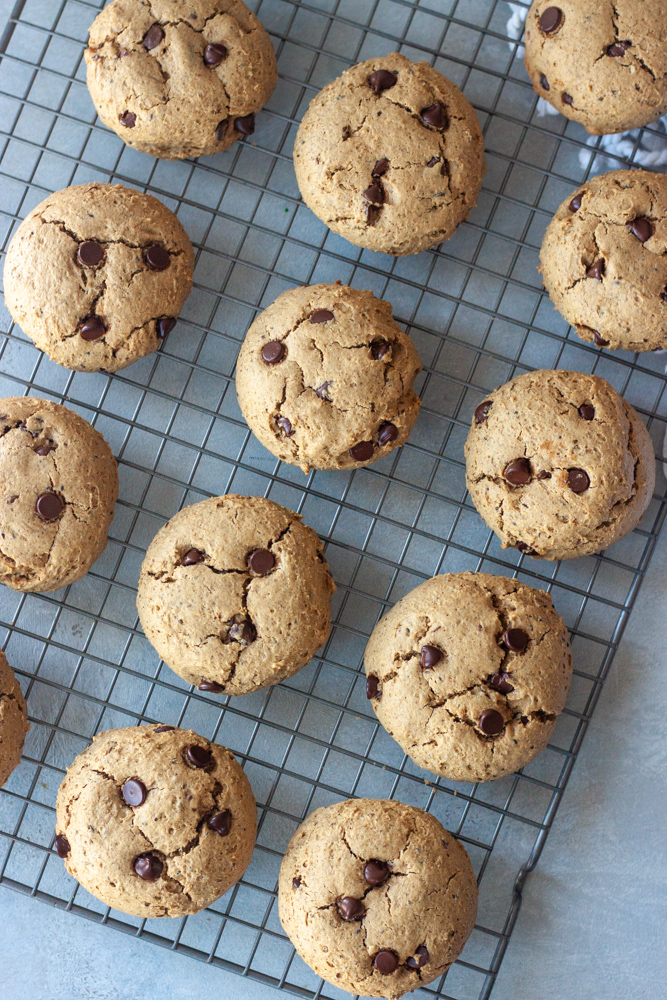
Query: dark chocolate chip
[[430, 655], [148, 867], [578, 480], [566, 98], [321, 316], [197, 756], [214, 54], [165, 326], [500, 682], [544, 83], [379, 348], [245, 125], [663, 295], [543, 475], [49, 506], [61, 845], [420, 958], [516, 639], [157, 257], [524, 720], [261, 561], [432, 162], [491, 722], [90, 253], [221, 823], [641, 228], [376, 872], [212, 686], [596, 270], [363, 451], [375, 194], [525, 548], [600, 341], [372, 214], [518, 472], [381, 80], [618, 49], [13, 499], [192, 556], [134, 792], [45, 449], [242, 632], [575, 204], [372, 686], [221, 129], [323, 391], [163, 729], [273, 352], [435, 115], [92, 328], [296, 883], [351, 908], [482, 411], [284, 426], [551, 20], [380, 168], [386, 962], [586, 411], [153, 37], [388, 432], [128, 119]]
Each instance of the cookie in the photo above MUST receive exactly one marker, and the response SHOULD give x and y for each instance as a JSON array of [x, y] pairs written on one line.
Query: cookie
[[325, 378], [58, 487], [97, 274], [602, 64], [13, 720], [390, 155], [558, 464], [235, 594], [376, 896], [179, 78], [604, 263], [468, 673], [155, 821]]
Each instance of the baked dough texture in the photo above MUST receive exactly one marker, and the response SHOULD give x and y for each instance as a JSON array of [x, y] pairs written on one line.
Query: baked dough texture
[[376, 896], [179, 78], [235, 594], [390, 155], [58, 487], [342, 394], [604, 260], [13, 720], [143, 800], [601, 63], [105, 315], [559, 465], [459, 652]]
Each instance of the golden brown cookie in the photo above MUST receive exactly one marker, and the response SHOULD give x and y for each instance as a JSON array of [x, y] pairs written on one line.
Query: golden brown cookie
[[13, 720]]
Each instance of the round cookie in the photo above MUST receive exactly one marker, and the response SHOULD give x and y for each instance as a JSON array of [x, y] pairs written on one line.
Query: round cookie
[[235, 594], [179, 78], [325, 378], [58, 487], [376, 896], [155, 821], [390, 155], [602, 64], [13, 720], [558, 464], [604, 260], [97, 274], [468, 673]]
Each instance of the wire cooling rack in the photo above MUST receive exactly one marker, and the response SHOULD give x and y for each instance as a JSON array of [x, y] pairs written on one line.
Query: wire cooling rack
[[478, 315]]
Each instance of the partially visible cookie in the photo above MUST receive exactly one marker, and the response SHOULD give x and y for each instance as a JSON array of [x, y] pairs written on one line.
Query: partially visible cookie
[[97, 274], [468, 672], [155, 821], [604, 260], [325, 378], [179, 78], [58, 487], [376, 896], [13, 720], [558, 464], [235, 594], [603, 64], [390, 155]]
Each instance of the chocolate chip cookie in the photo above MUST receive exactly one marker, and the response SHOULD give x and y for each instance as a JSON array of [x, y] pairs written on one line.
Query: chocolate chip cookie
[[177, 79], [376, 896], [58, 487], [97, 274], [603, 64], [13, 720], [235, 594], [325, 378], [390, 155], [155, 821], [468, 673], [604, 260], [558, 464]]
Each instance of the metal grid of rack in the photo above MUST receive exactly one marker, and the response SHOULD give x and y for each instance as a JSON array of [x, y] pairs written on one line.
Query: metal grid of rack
[[478, 316]]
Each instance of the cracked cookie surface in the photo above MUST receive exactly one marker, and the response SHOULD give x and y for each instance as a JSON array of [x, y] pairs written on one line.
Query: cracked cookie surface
[[155, 821], [339, 392], [179, 78], [604, 260], [602, 64], [558, 464], [468, 673], [235, 594], [376, 896], [96, 275], [13, 720], [59, 484], [390, 155]]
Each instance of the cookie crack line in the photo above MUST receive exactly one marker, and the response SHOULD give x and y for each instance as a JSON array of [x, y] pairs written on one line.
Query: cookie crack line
[[62, 225]]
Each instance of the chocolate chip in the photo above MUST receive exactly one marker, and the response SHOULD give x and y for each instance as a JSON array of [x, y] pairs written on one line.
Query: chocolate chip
[[663, 295], [586, 411], [432, 162], [491, 722], [518, 472], [578, 480], [163, 729], [566, 98], [261, 562], [482, 411], [13, 499], [90, 253], [516, 639], [551, 20], [134, 792], [49, 506], [214, 54], [153, 37], [157, 257], [363, 451], [618, 49], [388, 432], [543, 475], [575, 204], [45, 449], [544, 83], [379, 348], [500, 682], [92, 328], [596, 270], [245, 125], [372, 214], [221, 823], [148, 867], [430, 655], [435, 115], [242, 632], [600, 341], [221, 129], [197, 756], [284, 426], [386, 962], [641, 228], [376, 872], [350, 908], [525, 548], [273, 352], [211, 686], [323, 391], [192, 557], [420, 958], [128, 119], [61, 845], [380, 168], [164, 326], [373, 686], [321, 316], [381, 80], [296, 883], [375, 194]]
